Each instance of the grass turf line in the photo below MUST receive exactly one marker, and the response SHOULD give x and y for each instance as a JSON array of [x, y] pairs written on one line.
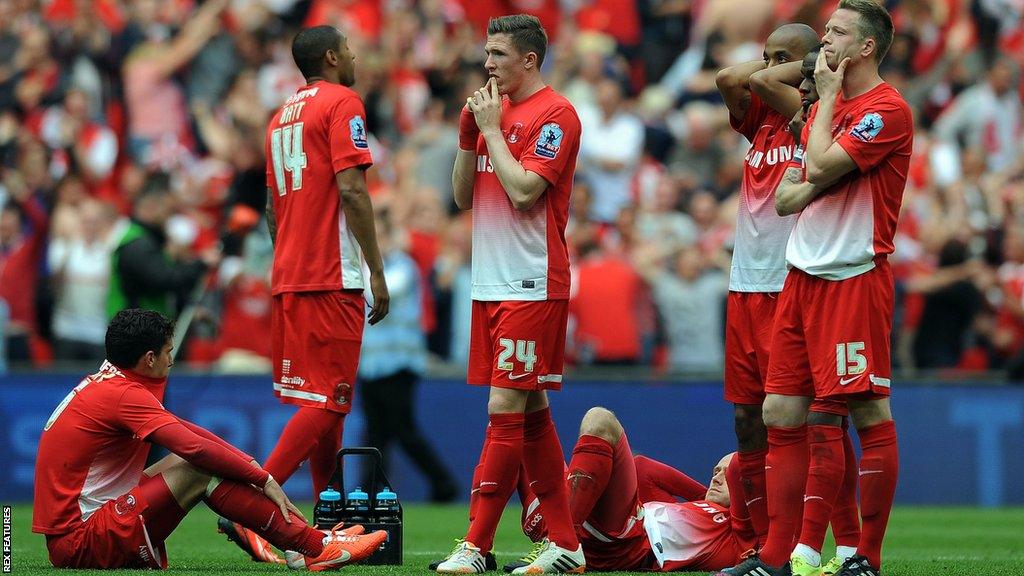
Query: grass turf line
[[920, 542]]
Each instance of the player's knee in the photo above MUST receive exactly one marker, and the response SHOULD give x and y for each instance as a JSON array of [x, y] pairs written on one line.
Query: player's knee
[[506, 402], [749, 426], [602, 423], [867, 413], [784, 411]]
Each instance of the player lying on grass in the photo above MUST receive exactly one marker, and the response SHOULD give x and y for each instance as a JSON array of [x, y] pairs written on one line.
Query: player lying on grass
[[97, 506], [626, 512]]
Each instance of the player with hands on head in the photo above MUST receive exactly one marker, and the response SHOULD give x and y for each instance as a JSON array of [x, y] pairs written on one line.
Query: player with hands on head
[[761, 97], [100, 509]]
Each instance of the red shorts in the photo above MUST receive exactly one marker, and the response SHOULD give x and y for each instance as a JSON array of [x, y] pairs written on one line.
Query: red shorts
[[315, 337], [116, 534], [750, 318], [518, 344], [832, 337]]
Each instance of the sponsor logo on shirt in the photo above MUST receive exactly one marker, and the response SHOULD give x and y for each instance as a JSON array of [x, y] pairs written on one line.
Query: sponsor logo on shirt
[[868, 127], [357, 131], [777, 155], [483, 163], [550, 140], [798, 154]]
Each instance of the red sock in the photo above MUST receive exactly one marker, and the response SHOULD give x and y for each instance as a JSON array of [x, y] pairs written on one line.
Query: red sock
[[785, 478], [531, 518], [845, 515], [739, 514], [298, 440], [497, 478], [589, 472], [879, 468], [324, 458], [545, 465], [249, 507], [659, 482], [474, 492], [824, 478], [163, 513], [751, 470]]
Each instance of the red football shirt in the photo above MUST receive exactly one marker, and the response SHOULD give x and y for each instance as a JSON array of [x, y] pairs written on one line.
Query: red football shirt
[[841, 232], [320, 131], [92, 449], [759, 255], [522, 255]]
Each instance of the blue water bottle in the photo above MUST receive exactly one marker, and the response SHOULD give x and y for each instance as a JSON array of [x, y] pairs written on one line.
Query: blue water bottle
[[357, 507], [386, 509], [329, 509]]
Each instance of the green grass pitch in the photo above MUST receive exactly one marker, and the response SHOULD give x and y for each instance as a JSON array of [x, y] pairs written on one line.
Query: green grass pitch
[[920, 542]]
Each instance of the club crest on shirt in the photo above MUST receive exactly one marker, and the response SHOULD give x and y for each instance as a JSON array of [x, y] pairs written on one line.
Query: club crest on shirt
[[868, 127], [357, 131], [513, 132], [550, 140]]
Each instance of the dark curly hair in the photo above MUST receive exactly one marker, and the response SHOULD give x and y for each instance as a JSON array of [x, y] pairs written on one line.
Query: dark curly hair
[[133, 332]]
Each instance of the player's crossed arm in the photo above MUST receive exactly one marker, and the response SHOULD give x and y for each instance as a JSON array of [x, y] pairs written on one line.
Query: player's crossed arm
[[794, 193]]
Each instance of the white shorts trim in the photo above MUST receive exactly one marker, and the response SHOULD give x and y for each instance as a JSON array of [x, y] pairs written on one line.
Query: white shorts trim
[[879, 381], [549, 378], [290, 393]]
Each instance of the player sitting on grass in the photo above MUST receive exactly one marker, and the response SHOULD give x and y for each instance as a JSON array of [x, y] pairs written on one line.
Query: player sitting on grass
[[627, 515], [97, 506]]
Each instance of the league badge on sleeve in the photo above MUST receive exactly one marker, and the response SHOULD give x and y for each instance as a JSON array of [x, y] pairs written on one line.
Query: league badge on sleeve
[[357, 131], [868, 127], [550, 140]]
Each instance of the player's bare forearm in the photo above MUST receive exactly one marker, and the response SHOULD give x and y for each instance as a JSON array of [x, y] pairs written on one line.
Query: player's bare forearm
[[355, 202], [777, 87], [523, 187], [463, 175], [793, 193], [826, 161], [734, 85], [271, 218]]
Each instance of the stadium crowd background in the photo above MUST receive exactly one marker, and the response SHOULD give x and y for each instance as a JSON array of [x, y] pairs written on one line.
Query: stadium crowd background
[[102, 99]]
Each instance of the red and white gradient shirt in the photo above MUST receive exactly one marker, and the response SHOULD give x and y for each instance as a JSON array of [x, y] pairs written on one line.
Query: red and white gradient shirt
[[522, 255], [698, 535], [841, 232], [759, 253], [320, 131], [92, 449]]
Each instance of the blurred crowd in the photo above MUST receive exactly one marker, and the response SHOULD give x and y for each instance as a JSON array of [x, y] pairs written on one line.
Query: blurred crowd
[[149, 116]]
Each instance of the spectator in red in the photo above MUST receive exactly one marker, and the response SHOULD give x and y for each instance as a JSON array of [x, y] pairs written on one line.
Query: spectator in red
[[605, 301], [23, 225]]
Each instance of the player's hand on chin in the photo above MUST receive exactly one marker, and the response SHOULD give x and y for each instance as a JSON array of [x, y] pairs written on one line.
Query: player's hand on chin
[[828, 81], [485, 104]]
